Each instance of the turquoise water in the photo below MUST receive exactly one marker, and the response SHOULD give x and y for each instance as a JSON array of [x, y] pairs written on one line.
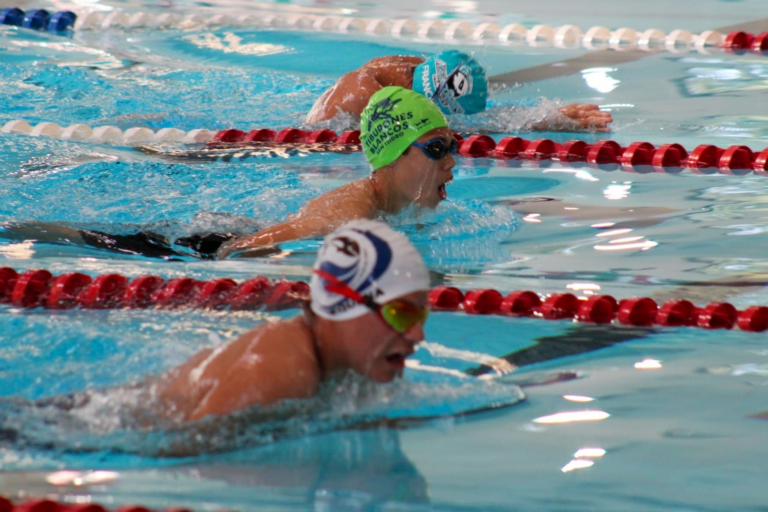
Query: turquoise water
[[676, 430]]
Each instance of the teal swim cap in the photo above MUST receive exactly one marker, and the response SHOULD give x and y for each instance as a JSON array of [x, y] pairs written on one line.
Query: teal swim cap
[[393, 119], [454, 81]]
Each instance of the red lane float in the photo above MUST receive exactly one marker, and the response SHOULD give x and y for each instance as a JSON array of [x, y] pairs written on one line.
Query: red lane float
[[285, 136], [44, 505], [740, 41], [668, 158], [39, 288]]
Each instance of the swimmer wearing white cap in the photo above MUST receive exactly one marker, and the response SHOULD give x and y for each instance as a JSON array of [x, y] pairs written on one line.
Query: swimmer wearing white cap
[[367, 312]]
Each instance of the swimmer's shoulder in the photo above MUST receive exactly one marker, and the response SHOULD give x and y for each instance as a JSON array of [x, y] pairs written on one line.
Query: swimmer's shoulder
[[290, 344], [351, 201]]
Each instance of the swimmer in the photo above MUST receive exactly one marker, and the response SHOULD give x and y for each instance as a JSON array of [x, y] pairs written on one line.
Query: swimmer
[[405, 139], [366, 314], [453, 80]]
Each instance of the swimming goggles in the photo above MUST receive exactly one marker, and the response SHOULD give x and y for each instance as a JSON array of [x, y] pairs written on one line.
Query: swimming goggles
[[400, 315], [437, 149]]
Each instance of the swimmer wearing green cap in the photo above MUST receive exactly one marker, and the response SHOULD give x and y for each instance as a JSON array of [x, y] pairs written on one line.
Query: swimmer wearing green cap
[[453, 80], [407, 141]]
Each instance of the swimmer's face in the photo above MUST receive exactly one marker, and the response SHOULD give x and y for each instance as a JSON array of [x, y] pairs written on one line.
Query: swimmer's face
[[421, 179], [377, 351]]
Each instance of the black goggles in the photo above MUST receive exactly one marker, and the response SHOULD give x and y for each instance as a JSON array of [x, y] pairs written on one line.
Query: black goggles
[[438, 148]]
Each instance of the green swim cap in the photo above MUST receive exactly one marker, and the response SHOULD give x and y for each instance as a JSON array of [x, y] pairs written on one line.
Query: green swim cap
[[393, 119]]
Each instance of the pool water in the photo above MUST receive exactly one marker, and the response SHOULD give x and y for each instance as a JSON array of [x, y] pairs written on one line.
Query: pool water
[[675, 411]]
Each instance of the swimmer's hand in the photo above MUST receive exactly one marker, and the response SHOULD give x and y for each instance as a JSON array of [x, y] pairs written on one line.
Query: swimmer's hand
[[240, 248], [579, 118], [588, 117], [256, 252]]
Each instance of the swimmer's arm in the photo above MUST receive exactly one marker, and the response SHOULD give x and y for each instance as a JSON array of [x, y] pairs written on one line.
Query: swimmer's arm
[[393, 70], [350, 94], [319, 217]]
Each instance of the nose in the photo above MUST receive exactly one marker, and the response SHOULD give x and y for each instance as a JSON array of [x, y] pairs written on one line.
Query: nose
[[450, 161], [415, 334]]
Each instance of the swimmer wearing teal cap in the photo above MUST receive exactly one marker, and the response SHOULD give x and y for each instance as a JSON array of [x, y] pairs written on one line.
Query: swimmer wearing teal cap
[[453, 80]]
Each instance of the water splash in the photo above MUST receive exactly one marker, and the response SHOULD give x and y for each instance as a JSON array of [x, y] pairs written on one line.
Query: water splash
[[462, 235], [515, 118], [119, 421]]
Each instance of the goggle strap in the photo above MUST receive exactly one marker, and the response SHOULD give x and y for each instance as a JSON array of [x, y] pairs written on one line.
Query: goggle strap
[[341, 288]]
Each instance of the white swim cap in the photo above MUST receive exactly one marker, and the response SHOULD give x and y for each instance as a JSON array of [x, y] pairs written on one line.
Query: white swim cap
[[373, 260]]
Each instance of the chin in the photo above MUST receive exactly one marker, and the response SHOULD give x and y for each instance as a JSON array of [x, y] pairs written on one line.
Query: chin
[[383, 378], [428, 203], [384, 375]]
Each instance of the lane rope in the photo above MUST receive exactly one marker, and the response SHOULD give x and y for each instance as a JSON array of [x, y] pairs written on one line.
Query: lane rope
[[637, 157], [40, 288], [566, 36]]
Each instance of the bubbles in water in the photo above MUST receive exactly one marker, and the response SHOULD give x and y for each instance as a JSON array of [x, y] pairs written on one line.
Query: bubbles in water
[[514, 118], [459, 235]]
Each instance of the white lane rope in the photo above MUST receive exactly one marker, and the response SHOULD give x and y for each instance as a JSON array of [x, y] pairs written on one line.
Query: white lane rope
[[107, 134], [566, 36]]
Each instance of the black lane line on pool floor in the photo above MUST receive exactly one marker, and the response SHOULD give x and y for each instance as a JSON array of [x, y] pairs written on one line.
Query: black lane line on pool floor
[[576, 340]]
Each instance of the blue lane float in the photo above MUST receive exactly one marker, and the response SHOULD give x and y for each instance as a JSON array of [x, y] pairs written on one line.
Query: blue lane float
[[12, 16], [38, 19], [61, 21]]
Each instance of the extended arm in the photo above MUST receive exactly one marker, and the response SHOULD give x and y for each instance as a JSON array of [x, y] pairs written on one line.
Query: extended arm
[[319, 217]]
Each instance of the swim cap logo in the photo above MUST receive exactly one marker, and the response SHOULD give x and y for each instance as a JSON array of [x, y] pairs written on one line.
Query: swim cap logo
[[346, 246], [460, 83], [421, 123], [382, 110], [452, 86], [357, 263], [384, 127]]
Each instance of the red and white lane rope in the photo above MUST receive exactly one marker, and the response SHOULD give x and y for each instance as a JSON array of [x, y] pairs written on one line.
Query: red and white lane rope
[[636, 157], [565, 36], [39, 288]]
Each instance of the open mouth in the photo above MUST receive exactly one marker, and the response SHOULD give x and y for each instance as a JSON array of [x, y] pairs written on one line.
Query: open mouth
[[442, 192], [397, 359]]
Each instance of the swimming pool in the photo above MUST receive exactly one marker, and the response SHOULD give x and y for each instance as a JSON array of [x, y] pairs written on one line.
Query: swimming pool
[[671, 407]]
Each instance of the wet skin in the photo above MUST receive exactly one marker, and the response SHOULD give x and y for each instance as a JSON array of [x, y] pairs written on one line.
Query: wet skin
[[413, 178], [368, 345], [286, 359]]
